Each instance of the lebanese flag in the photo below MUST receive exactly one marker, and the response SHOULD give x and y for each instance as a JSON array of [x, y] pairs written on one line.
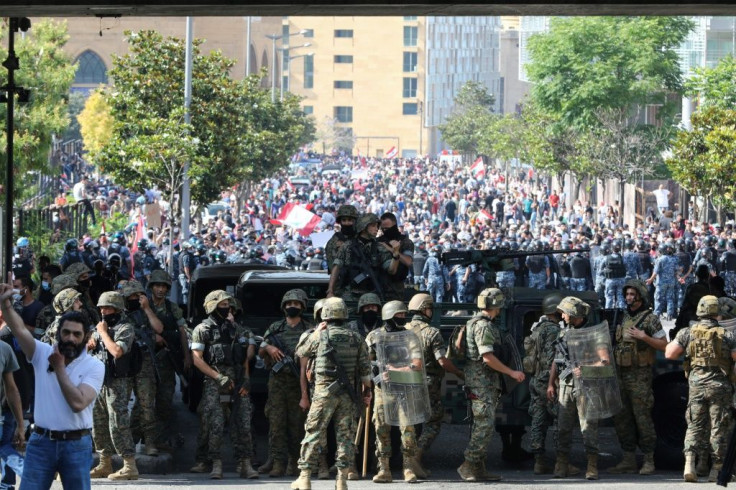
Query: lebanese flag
[[361, 158], [289, 185], [140, 232], [296, 216], [392, 152], [485, 215], [478, 168]]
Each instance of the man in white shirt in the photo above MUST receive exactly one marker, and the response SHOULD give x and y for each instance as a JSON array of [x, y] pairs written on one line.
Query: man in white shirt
[[663, 198], [80, 195], [67, 383]]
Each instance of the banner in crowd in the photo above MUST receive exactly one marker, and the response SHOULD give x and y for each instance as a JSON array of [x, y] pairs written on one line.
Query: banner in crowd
[[297, 217]]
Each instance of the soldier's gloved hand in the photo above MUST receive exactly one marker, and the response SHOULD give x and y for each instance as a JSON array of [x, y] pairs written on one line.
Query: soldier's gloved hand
[[244, 387], [224, 382]]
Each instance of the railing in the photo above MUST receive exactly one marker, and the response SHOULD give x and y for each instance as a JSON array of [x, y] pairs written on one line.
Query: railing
[[70, 219]]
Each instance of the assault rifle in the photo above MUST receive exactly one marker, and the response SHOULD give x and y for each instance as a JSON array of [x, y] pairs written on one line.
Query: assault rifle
[[146, 343], [366, 271], [287, 360], [567, 365]]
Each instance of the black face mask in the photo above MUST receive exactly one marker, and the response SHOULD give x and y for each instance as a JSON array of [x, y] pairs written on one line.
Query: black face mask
[[395, 324], [111, 319], [400, 321], [392, 233], [223, 312], [348, 230], [293, 311], [84, 285], [133, 304], [369, 317]]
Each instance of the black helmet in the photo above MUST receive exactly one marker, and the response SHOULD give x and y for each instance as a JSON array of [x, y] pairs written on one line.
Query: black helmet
[[202, 248], [71, 245], [642, 245], [142, 243], [629, 244]]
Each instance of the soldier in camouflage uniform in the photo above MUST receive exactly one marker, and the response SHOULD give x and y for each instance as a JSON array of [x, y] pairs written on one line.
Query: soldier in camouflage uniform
[[67, 300], [711, 351], [172, 352], [332, 400], [539, 353], [421, 306], [147, 326], [402, 249], [82, 274], [362, 265], [47, 315], [219, 347], [113, 342], [575, 314], [286, 418], [483, 379], [393, 315], [638, 338], [665, 277], [347, 215], [369, 305]]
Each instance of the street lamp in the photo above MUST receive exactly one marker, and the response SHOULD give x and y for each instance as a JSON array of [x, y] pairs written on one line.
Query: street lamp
[[273, 38], [287, 63]]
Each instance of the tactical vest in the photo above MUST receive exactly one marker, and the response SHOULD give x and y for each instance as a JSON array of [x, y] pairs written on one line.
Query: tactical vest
[[355, 274], [705, 348], [143, 331], [421, 328], [630, 352], [127, 366], [171, 330], [536, 264], [314, 264], [533, 350], [219, 351], [346, 345], [579, 267], [471, 348], [614, 267]]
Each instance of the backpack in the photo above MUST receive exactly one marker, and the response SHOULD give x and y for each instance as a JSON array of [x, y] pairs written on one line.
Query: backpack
[[458, 347], [531, 352]]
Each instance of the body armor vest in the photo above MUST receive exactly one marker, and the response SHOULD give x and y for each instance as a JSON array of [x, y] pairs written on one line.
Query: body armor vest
[[630, 352], [705, 348]]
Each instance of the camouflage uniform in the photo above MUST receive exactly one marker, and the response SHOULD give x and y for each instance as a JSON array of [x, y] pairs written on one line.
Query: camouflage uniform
[[286, 419], [62, 303], [710, 390], [436, 277], [664, 296], [434, 350], [634, 360], [634, 269], [111, 421], [48, 313], [333, 247], [395, 284], [538, 265], [349, 260]]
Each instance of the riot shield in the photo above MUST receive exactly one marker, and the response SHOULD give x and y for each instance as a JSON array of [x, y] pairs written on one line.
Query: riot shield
[[507, 352], [595, 380], [403, 379]]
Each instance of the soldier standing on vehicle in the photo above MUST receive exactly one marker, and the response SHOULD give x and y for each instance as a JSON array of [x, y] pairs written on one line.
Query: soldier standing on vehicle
[[712, 352], [147, 326], [362, 265], [286, 418], [581, 278], [394, 319], [369, 306], [341, 358], [539, 268], [575, 314], [112, 343], [347, 215], [392, 239], [436, 276], [638, 338], [665, 277], [172, 352], [218, 347], [483, 380], [539, 354], [436, 362], [614, 271]]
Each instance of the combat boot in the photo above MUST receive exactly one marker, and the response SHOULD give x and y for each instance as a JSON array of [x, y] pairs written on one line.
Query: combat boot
[[702, 467], [353, 473], [627, 464], [304, 482], [572, 470], [409, 475], [267, 466], [482, 474], [278, 469], [467, 471], [384, 472], [541, 466], [689, 474], [103, 469], [648, 467], [246, 470], [200, 467], [129, 471], [323, 473], [592, 472], [714, 470], [413, 463], [291, 467], [216, 473], [561, 466], [341, 482]]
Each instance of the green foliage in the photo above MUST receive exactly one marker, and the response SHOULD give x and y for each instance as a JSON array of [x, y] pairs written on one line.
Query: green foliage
[[48, 72], [333, 135], [585, 64], [472, 117], [704, 159], [117, 221], [76, 105], [715, 86], [237, 133]]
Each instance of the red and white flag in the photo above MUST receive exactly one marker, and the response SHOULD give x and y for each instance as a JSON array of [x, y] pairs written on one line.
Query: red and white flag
[[478, 168], [361, 158], [392, 152], [296, 216], [484, 214]]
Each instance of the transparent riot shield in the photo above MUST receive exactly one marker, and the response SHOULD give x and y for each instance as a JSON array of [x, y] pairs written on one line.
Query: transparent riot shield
[[507, 352], [591, 355], [403, 379]]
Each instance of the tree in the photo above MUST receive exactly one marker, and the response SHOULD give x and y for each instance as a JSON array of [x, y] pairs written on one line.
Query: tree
[[472, 115], [239, 133], [334, 136], [715, 86], [77, 100], [95, 122], [48, 72]]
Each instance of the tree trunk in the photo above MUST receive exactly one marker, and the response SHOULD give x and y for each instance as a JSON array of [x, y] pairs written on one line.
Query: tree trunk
[[621, 189]]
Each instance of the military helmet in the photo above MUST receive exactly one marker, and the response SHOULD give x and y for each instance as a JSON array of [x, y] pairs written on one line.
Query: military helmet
[[728, 308], [61, 282], [318, 308], [420, 302], [490, 298], [295, 295], [347, 211], [159, 277], [391, 308], [112, 299], [550, 302], [236, 304], [708, 306], [640, 287], [334, 309], [77, 269], [64, 301], [214, 298], [575, 307], [365, 220], [71, 245], [368, 299]]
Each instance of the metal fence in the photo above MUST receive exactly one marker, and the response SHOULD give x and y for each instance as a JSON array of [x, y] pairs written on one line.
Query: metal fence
[[69, 220]]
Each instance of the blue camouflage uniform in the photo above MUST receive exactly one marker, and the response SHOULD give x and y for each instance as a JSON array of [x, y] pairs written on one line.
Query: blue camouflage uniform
[[664, 296], [538, 280], [634, 269], [435, 276]]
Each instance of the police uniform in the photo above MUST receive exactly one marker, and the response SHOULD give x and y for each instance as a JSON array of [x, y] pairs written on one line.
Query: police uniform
[[538, 265], [580, 275], [614, 272], [664, 296], [436, 277]]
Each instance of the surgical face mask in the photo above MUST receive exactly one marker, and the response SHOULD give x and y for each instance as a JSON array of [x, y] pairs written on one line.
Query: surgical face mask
[[369, 317], [293, 311], [18, 296], [45, 285]]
